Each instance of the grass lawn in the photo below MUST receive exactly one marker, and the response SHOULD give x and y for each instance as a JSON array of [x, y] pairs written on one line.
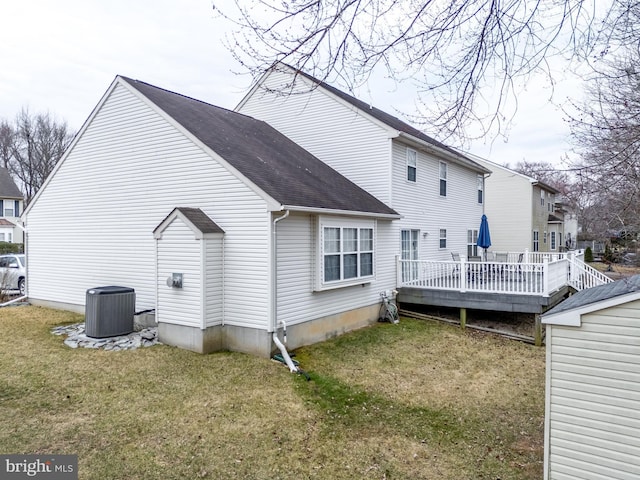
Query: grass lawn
[[418, 400]]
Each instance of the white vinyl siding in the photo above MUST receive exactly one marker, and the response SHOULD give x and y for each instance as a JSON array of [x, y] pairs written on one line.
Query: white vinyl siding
[[335, 132], [509, 203], [213, 281], [298, 300], [593, 396], [127, 171], [425, 210], [179, 252]]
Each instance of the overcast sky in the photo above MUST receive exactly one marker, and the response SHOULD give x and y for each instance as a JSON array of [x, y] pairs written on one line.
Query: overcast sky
[[61, 56]]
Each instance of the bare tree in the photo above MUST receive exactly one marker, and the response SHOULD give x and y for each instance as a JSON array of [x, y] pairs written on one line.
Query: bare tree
[[468, 58], [7, 140], [33, 147], [606, 130]]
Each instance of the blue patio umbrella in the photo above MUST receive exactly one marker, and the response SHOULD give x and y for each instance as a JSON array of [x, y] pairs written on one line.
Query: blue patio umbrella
[[484, 237]]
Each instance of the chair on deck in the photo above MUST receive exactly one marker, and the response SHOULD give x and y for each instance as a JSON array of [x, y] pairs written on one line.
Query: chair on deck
[[473, 272], [456, 268], [502, 257]]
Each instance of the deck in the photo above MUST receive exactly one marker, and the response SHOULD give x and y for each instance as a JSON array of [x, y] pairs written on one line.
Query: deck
[[525, 283]]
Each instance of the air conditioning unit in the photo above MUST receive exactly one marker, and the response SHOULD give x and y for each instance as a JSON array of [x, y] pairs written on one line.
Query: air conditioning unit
[[109, 311]]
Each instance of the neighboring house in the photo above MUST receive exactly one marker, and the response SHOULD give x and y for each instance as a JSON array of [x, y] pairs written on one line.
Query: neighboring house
[[438, 191], [11, 201], [570, 222], [218, 221], [521, 212], [592, 413]]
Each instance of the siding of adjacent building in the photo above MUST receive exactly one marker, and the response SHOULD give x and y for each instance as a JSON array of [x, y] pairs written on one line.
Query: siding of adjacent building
[[593, 396], [509, 208], [93, 223]]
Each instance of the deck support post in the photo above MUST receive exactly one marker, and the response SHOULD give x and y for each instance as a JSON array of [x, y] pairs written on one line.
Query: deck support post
[[537, 334], [463, 318]]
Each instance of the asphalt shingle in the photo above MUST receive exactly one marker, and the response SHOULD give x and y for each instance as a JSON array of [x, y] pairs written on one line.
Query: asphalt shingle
[[281, 168]]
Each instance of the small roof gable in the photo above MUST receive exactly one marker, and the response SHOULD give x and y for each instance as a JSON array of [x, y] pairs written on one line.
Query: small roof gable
[[8, 188], [592, 299], [196, 219], [394, 122], [279, 167]]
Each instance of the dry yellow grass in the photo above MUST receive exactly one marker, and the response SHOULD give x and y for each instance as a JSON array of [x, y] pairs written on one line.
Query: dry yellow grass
[[410, 401]]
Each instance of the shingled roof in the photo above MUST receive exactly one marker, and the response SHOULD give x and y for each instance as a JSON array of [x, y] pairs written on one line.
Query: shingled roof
[[596, 294], [8, 188], [275, 164]]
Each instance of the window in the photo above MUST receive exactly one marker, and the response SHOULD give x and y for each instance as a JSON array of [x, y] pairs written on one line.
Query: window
[[472, 245], [544, 237], [480, 188], [409, 251], [8, 209], [553, 240], [412, 165], [347, 253], [443, 179], [542, 197], [536, 241], [443, 238]]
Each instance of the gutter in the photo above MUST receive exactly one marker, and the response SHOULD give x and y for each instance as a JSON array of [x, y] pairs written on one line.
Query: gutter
[[274, 320], [330, 211], [453, 156]]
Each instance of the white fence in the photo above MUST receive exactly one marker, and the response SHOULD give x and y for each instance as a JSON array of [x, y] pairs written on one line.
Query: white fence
[[529, 274]]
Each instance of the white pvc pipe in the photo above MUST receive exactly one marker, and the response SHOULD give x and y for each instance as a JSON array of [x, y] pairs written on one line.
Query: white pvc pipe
[[13, 301], [285, 354]]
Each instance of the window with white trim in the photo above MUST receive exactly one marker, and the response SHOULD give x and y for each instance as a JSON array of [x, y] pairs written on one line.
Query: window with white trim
[[443, 179], [472, 243], [412, 165], [443, 238], [536, 241], [480, 189], [553, 240], [8, 208], [542, 197], [346, 251]]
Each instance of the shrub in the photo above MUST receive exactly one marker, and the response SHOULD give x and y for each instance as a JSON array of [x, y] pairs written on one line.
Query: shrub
[[588, 255], [6, 247]]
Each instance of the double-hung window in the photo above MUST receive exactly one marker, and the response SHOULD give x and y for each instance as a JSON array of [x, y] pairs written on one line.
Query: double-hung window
[[480, 189], [412, 165], [443, 179], [347, 252], [443, 238], [536, 241]]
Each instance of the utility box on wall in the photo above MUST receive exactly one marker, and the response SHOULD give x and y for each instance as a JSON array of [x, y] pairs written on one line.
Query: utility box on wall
[[109, 311]]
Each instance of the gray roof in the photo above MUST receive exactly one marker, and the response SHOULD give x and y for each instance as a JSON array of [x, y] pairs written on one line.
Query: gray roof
[[200, 220], [281, 168], [8, 188], [390, 120], [592, 295]]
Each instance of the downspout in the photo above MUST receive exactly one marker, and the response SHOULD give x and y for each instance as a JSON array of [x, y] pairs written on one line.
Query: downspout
[[276, 340]]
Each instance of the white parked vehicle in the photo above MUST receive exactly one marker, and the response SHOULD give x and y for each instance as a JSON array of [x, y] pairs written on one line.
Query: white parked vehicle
[[13, 272]]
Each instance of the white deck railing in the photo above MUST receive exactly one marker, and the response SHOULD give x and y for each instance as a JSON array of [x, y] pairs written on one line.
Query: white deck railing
[[543, 276]]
